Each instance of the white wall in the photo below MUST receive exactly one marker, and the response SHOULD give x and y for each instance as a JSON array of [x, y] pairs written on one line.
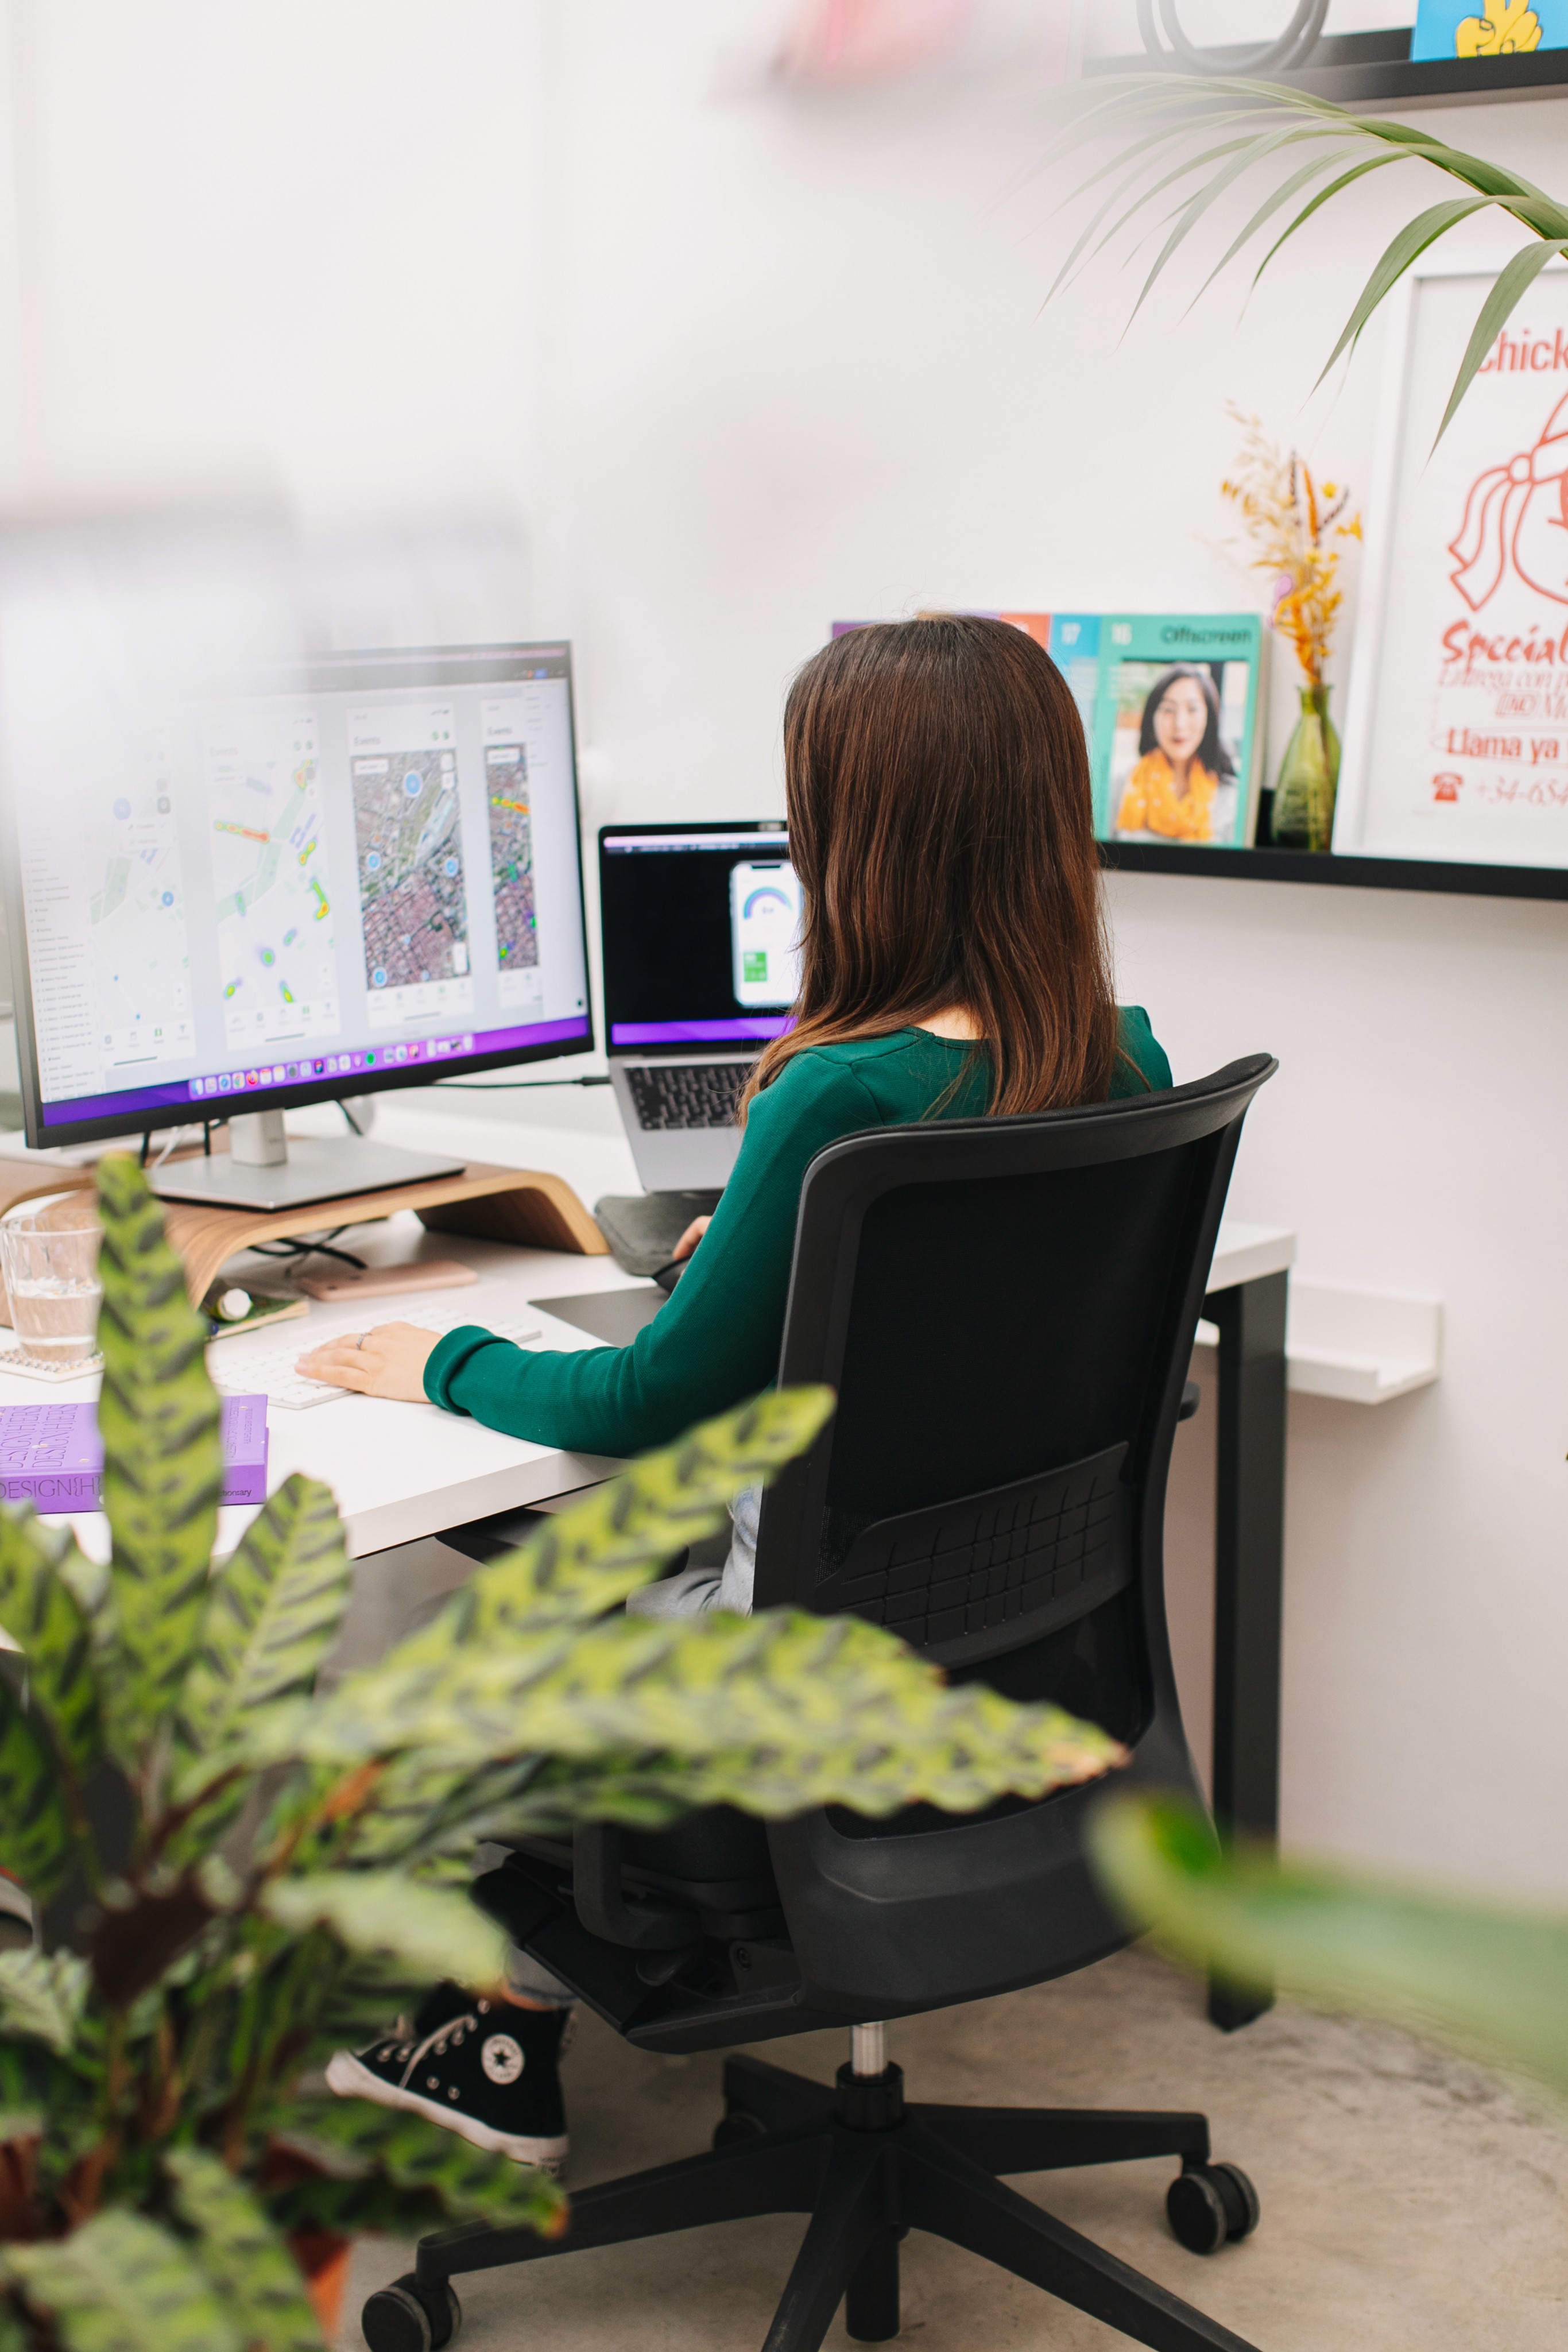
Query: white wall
[[800, 370], [744, 364]]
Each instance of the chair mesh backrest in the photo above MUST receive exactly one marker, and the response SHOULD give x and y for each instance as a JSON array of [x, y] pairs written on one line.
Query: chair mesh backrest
[[1005, 1308]]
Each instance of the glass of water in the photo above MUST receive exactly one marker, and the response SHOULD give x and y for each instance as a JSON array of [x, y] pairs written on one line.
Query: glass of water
[[48, 1257]]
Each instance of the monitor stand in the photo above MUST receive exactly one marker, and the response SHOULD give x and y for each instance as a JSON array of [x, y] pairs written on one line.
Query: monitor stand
[[262, 1170]]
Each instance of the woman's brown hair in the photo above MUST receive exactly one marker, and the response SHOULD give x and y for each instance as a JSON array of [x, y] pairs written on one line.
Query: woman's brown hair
[[942, 826]]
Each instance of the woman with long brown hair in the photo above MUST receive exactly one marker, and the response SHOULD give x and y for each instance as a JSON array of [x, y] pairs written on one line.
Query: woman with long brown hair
[[953, 963]]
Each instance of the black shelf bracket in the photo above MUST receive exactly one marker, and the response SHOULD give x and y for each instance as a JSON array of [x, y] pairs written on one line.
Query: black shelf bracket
[[1372, 69]]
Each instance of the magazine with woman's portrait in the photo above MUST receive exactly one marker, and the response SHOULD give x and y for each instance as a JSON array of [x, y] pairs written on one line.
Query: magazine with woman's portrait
[[1175, 728]]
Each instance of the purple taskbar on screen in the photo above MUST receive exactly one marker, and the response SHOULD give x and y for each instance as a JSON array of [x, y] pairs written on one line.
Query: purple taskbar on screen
[[216, 1095], [697, 1033]]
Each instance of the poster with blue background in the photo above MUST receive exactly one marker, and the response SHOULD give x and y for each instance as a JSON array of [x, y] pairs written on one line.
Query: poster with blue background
[[1489, 28]]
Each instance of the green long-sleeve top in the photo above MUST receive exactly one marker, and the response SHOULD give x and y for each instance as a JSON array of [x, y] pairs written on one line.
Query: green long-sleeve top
[[718, 1339]]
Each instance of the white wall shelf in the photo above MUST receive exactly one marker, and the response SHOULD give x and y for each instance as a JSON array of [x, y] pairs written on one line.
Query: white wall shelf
[[1363, 1347]]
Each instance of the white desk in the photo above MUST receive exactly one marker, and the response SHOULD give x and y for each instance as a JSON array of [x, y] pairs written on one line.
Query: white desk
[[403, 1471]]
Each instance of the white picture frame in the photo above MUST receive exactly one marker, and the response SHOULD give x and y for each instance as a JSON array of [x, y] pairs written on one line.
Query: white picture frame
[[1462, 757]]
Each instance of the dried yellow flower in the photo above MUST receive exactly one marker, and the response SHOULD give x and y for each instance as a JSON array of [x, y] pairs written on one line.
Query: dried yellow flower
[[1290, 520]]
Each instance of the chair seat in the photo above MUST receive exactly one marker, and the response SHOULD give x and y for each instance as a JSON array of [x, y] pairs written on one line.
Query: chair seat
[[718, 1858]]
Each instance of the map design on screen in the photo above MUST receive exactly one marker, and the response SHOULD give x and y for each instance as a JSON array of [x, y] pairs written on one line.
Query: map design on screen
[[137, 918], [277, 947], [511, 855], [408, 830]]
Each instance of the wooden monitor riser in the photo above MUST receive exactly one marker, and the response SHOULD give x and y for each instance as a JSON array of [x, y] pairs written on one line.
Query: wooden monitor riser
[[524, 1206]]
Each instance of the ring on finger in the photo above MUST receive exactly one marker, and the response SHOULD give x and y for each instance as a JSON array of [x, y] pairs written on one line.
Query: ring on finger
[[363, 1337]]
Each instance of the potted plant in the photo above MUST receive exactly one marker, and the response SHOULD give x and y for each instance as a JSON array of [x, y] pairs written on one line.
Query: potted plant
[[233, 1873]]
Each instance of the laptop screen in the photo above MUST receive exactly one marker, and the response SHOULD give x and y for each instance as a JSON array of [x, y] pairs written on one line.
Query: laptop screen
[[701, 929]]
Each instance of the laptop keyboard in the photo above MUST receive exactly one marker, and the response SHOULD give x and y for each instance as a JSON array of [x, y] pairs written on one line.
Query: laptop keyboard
[[686, 1093], [35, 1437]]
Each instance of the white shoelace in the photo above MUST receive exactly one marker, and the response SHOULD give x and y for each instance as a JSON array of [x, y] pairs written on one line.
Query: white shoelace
[[454, 2031]]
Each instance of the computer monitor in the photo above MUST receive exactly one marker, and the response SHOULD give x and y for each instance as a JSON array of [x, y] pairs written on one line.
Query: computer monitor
[[352, 873], [701, 928]]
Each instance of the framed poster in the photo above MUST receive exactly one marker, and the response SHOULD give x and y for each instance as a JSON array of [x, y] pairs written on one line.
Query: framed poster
[[1457, 733]]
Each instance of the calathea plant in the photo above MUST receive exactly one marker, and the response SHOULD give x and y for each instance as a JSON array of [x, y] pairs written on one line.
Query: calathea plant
[[234, 1873]]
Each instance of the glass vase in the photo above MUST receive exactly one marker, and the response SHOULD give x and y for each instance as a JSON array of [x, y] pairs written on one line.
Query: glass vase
[[1309, 778]]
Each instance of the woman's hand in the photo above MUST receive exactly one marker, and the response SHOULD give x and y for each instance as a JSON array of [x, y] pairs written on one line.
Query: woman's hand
[[689, 1239], [386, 1362]]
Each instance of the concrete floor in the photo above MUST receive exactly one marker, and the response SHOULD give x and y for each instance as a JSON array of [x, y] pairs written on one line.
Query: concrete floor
[[1408, 2201]]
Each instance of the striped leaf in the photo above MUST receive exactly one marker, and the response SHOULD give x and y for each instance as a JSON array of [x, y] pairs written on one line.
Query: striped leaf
[[43, 1616], [429, 1932], [354, 2137], [241, 2254], [162, 1467], [1487, 1979], [371, 2203], [771, 1712], [35, 1841], [121, 2285], [42, 1996], [588, 1558], [271, 1615], [421, 1808]]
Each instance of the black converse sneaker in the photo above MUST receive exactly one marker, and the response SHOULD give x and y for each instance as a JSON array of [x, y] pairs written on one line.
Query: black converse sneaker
[[488, 2071]]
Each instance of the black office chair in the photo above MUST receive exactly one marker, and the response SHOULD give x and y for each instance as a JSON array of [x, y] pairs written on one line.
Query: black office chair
[[1005, 1307]]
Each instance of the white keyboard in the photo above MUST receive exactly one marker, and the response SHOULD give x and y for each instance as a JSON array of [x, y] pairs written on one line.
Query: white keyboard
[[274, 1374]]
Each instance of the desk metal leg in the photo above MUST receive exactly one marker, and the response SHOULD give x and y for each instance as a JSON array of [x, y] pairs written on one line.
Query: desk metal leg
[[1250, 1530]]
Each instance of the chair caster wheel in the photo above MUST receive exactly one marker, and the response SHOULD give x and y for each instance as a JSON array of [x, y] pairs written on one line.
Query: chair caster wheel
[[1208, 2205], [738, 2126], [406, 2318]]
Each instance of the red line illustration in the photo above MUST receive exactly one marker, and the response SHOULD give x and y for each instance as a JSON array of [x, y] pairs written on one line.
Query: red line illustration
[[1510, 515]]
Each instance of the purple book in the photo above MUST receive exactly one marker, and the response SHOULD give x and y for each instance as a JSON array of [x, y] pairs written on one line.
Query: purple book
[[51, 1455]]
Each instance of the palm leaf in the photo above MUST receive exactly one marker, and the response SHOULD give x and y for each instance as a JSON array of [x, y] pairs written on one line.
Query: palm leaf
[[44, 1618], [162, 1467], [241, 2254], [1251, 151], [1490, 1980], [353, 2135], [121, 2285], [1303, 177], [1514, 281], [1400, 255], [1264, 121], [271, 1616], [1377, 162], [36, 1843]]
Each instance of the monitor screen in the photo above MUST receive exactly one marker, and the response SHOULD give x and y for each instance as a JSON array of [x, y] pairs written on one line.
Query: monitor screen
[[701, 934], [359, 871]]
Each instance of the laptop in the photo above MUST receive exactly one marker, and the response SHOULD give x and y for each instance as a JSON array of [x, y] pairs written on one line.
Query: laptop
[[700, 926]]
